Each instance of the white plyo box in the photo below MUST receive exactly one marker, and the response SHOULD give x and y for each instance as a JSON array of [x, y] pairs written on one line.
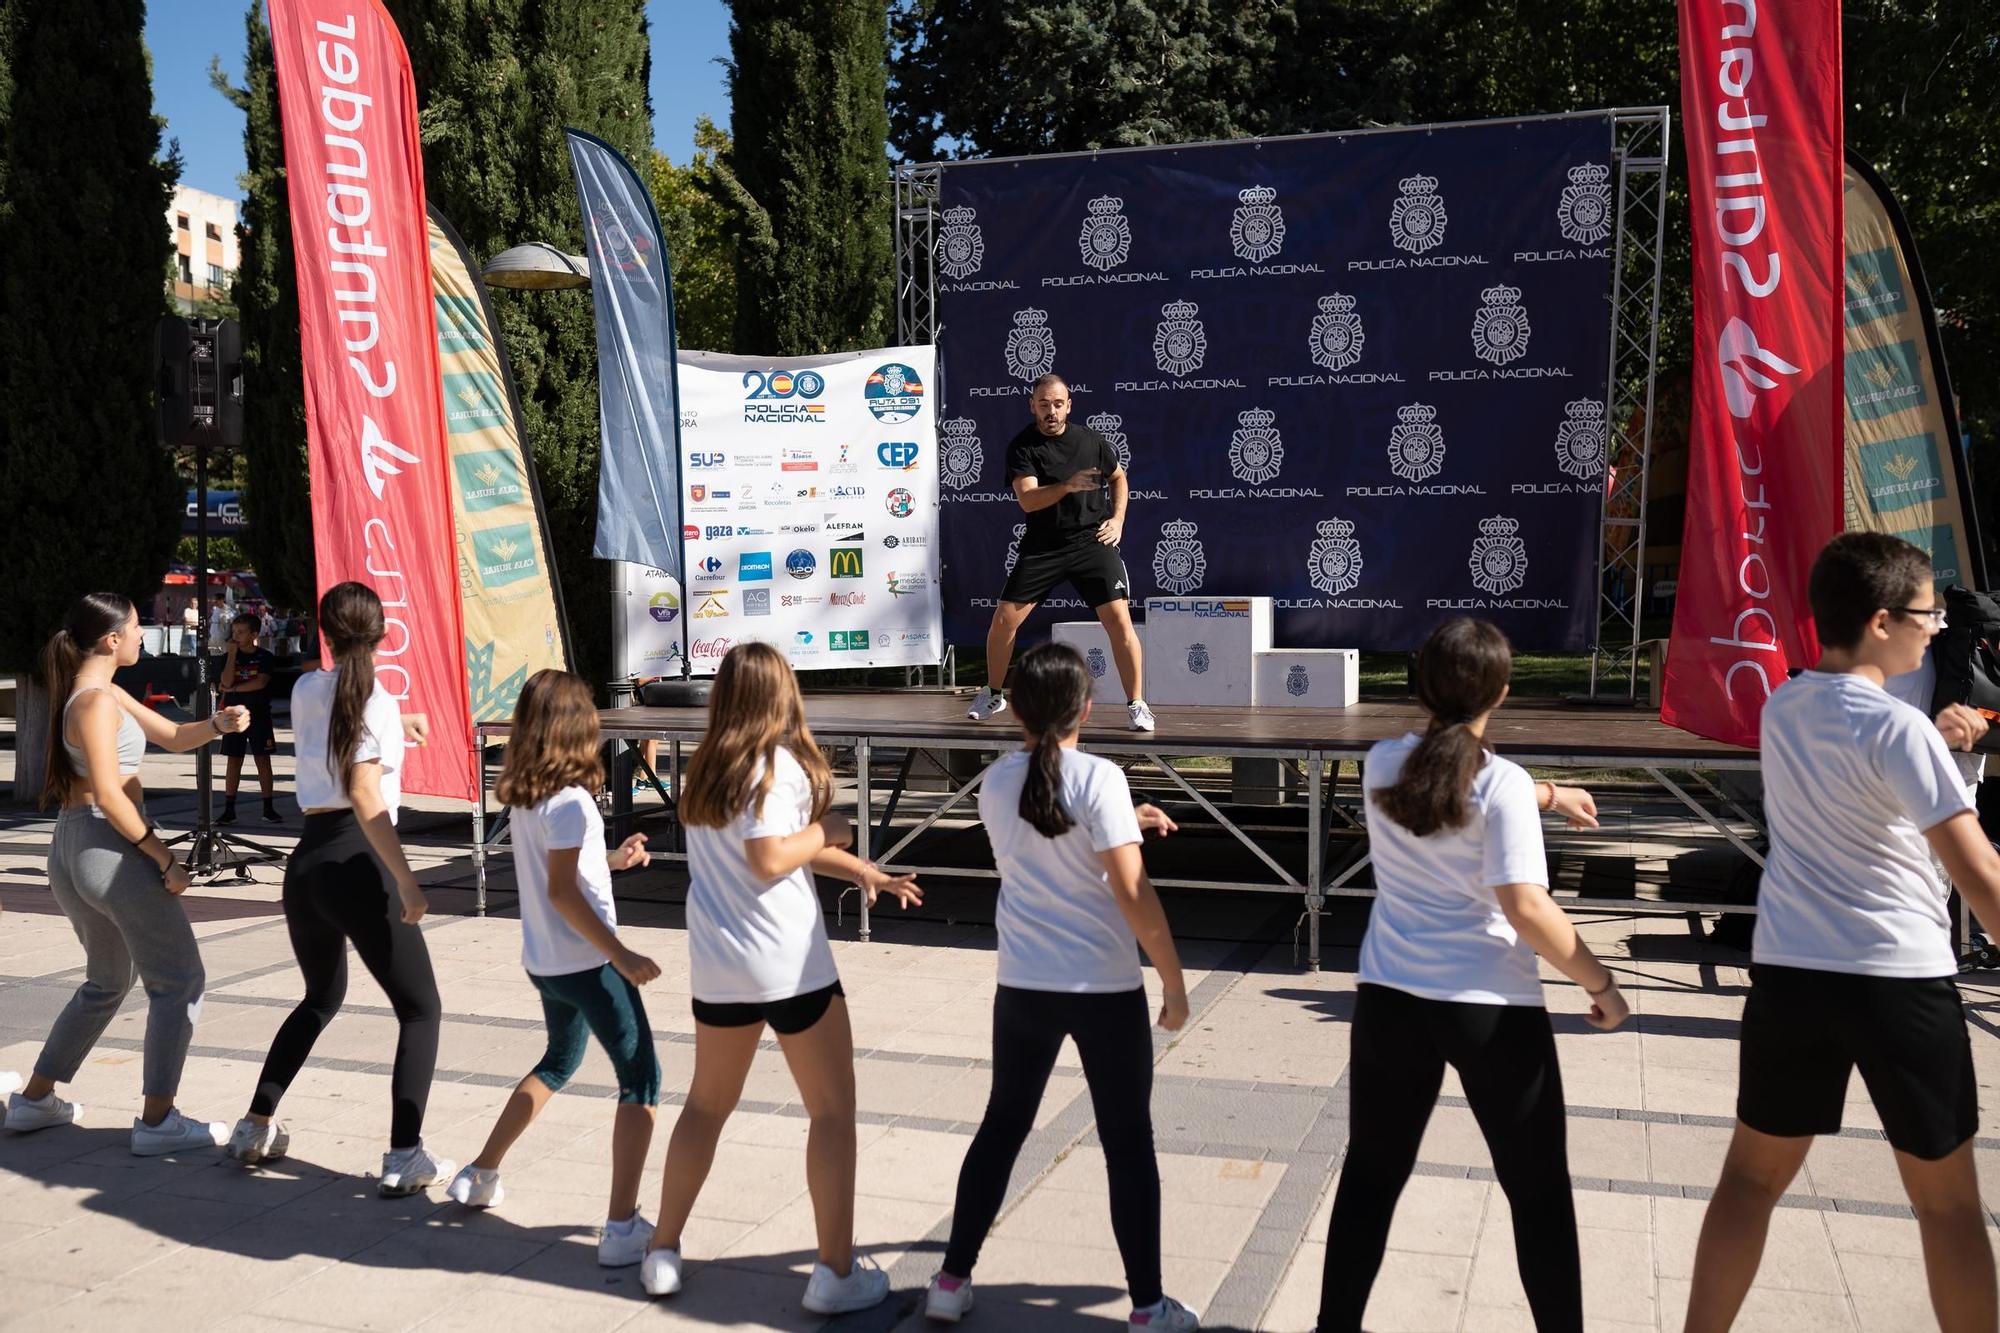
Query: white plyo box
[[1202, 650], [1308, 678], [1089, 638]]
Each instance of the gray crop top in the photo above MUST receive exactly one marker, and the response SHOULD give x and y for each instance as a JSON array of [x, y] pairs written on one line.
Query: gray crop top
[[131, 740]]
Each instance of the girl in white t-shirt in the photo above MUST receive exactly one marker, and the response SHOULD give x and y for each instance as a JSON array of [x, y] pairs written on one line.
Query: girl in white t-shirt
[[588, 980], [754, 803], [1448, 976], [1075, 907]]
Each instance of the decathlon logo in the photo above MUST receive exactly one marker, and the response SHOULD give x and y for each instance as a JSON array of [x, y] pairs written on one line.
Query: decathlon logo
[[1744, 365], [1178, 561], [1255, 451], [1031, 348], [1337, 336], [1334, 563], [1111, 426], [1499, 559], [1584, 212], [1107, 236], [1416, 223], [1179, 342], [1416, 443], [961, 458], [961, 249], [1500, 329], [1014, 546], [379, 457], [1580, 439], [1257, 227]]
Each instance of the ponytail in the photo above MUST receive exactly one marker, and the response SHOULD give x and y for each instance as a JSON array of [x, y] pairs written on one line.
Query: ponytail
[[1041, 805], [90, 618], [1051, 691], [1461, 672], [350, 615]]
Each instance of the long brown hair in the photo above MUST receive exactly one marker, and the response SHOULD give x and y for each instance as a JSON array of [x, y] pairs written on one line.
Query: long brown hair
[[1462, 670], [1051, 687], [90, 618], [755, 708], [350, 617], [554, 741]]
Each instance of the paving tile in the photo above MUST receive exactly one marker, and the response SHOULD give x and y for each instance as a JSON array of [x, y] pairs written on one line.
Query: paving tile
[[1770, 1310]]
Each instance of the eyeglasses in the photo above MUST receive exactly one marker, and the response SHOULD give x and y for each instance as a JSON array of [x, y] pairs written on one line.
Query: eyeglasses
[[1934, 614]]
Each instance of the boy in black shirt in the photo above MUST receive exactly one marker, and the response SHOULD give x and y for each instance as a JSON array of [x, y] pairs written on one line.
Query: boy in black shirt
[[246, 680], [1069, 481]]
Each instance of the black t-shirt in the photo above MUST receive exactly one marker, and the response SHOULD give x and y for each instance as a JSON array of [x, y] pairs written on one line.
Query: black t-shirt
[[1052, 460], [256, 662]]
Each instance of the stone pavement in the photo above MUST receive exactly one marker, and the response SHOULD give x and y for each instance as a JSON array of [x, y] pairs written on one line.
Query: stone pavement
[[1250, 1107]]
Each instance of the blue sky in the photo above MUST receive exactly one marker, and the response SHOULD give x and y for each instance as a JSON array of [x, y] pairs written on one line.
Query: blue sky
[[688, 37]]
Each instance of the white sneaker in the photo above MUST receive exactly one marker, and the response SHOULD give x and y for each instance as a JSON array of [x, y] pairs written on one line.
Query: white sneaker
[[411, 1171], [476, 1187], [864, 1286], [986, 705], [253, 1143], [660, 1274], [1166, 1313], [176, 1133], [948, 1304], [1138, 716], [622, 1244], [25, 1117], [10, 1082]]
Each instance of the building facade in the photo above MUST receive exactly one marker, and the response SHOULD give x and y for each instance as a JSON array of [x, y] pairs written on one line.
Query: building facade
[[203, 226]]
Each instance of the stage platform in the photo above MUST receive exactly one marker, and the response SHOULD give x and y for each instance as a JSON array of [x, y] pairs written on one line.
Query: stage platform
[[1308, 745]]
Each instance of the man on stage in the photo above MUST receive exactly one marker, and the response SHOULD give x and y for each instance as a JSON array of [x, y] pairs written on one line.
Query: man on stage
[[1068, 479]]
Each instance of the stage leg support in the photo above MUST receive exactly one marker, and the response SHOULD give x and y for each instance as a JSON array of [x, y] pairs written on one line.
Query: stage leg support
[[861, 818], [1315, 855], [479, 825]]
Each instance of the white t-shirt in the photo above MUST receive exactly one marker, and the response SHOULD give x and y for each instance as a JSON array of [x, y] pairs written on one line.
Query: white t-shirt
[[1915, 688], [550, 946], [1059, 925], [381, 738], [1852, 778], [751, 940], [1436, 928]]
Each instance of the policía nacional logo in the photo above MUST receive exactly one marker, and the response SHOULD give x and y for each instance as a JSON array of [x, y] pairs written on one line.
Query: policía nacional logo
[[1178, 562], [1197, 659], [1179, 342], [961, 249], [1014, 546], [1297, 682], [959, 457], [1256, 452], [1580, 439], [1107, 236], [1031, 348], [1417, 221], [1094, 659], [1499, 559], [1257, 227], [1334, 563], [1584, 211], [1500, 329], [1416, 443], [1111, 426], [1337, 336]]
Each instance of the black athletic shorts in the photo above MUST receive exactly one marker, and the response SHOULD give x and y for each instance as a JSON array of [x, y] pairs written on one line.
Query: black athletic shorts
[[258, 738], [787, 1018], [1805, 1030], [1095, 570]]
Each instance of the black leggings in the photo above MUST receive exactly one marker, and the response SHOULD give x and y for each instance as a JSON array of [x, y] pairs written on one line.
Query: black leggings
[[1114, 1039], [337, 890], [1505, 1055]]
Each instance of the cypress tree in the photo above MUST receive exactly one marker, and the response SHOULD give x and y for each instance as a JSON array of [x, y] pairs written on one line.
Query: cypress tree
[[809, 166]]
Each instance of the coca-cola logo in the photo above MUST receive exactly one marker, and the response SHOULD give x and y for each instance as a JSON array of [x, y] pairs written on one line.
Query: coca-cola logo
[[710, 650]]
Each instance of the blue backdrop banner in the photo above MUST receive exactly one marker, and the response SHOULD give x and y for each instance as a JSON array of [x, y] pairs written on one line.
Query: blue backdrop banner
[[1362, 374]]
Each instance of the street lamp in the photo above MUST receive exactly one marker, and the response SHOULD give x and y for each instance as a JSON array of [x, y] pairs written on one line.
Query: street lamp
[[536, 267]]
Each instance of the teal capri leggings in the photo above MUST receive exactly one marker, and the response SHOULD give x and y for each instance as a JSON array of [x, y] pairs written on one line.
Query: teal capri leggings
[[603, 1004]]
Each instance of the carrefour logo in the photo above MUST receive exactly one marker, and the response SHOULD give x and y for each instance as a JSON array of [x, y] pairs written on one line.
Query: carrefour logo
[[898, 454]]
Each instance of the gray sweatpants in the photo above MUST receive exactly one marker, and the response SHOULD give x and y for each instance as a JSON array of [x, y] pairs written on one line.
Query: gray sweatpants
[[126, 921]]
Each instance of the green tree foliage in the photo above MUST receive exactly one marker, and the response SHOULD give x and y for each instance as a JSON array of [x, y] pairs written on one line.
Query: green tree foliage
[[88, 499], [807, 174], [701, 241]]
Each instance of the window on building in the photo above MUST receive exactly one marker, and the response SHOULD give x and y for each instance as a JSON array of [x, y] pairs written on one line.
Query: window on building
[[181, 221], [187, 270], [214, 232], [215, 275]]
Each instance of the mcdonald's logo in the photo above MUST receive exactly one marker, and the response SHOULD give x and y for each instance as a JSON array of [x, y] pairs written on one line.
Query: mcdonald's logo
[[845, 562]]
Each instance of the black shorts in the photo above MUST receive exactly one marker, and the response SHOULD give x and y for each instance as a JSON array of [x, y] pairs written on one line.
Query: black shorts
[[1804, 1030], [258, 738], [787, 1018], [1095, 570]]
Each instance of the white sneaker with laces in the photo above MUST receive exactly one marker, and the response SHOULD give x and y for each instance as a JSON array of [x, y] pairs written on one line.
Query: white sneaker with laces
[[660, 1274], [622, 1244], [1138, 716], [10, 1082], [476, 1187], [411, 1171], [986, 705], [864, 1286], [948, 1304], [25, 1116], [1165, 1313], [253, 1143], [176, 1133]]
